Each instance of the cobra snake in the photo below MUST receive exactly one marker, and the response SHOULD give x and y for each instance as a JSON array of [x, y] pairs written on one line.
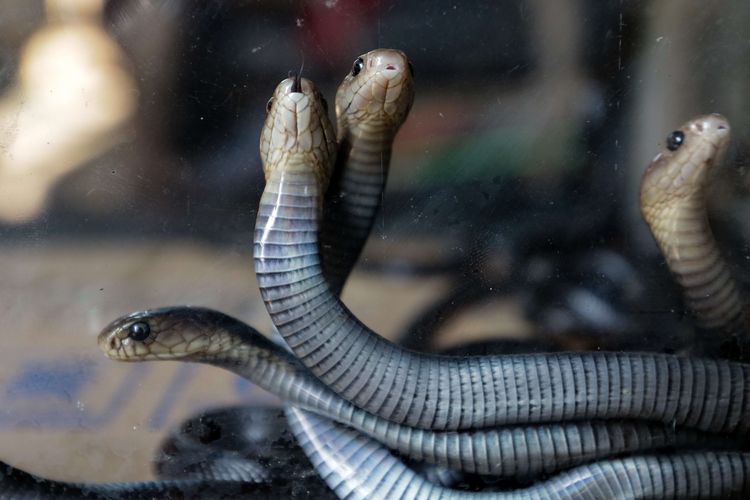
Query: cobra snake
[[438, 392], [207, 336], [673, 203], [372, 103]]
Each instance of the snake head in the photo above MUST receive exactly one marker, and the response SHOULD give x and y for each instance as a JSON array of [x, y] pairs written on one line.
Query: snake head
[[681, 169], [378, 91], [297, 132], [168, 333]]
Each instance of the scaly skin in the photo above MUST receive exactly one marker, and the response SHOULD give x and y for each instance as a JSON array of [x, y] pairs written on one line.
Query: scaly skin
[[356, 467]]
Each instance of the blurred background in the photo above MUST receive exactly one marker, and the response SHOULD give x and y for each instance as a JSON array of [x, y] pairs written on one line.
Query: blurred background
[[130, 176]]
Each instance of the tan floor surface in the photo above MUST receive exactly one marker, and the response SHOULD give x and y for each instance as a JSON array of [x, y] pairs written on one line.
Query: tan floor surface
[[69, 413]]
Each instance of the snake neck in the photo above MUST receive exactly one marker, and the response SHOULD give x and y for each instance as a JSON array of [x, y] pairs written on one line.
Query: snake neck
[[365, 149], [288, 266], [254, 357], [287, 259], [286, 227], [354, 197], [262, 362], [684, 235], [361, 169]]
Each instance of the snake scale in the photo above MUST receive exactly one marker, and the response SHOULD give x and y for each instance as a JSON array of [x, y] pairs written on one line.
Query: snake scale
[[372, 103]]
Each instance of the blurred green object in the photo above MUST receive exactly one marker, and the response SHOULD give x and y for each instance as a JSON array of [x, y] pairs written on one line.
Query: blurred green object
[[503, 152]]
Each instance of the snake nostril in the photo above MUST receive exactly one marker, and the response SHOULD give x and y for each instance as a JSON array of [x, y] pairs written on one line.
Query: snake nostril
[[390, 67], [113, 344]]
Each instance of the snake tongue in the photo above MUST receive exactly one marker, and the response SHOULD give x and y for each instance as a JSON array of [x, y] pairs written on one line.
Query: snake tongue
[[296, 84]]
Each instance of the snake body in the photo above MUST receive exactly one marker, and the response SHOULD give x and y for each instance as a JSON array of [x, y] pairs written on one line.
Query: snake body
[[207, 336], [355, 467], [371, 105], [673, 203], [436, 392]]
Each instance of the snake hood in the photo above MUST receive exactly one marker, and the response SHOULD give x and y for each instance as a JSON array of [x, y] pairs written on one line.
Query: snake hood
[[297, 129]]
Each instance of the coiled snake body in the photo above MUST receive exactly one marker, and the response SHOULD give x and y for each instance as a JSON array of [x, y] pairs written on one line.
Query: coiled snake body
[[371, 105], [206, 336], [356, 467]]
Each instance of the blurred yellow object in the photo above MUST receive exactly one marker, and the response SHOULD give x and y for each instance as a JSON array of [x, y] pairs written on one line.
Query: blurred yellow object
[[72, 101], [70, 9]]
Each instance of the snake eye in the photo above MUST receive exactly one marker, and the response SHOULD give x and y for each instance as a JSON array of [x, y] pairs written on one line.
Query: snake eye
[[675, 140], [269, 104], [411, 69], [359, 64], [139, 331]]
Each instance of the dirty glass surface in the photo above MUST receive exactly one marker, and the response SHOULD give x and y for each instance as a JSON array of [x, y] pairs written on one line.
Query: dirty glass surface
[[130, 179]]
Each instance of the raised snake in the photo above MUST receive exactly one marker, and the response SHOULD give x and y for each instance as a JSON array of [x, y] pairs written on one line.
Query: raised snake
[[437, 392], [372, 103], [207, 336], [673, 203]]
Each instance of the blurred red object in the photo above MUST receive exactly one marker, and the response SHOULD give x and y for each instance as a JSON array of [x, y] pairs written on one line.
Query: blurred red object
[[332, 28]]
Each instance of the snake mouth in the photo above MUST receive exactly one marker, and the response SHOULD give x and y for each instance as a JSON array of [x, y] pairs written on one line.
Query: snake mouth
[[295, 86], [113, 344], [388, 61]]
